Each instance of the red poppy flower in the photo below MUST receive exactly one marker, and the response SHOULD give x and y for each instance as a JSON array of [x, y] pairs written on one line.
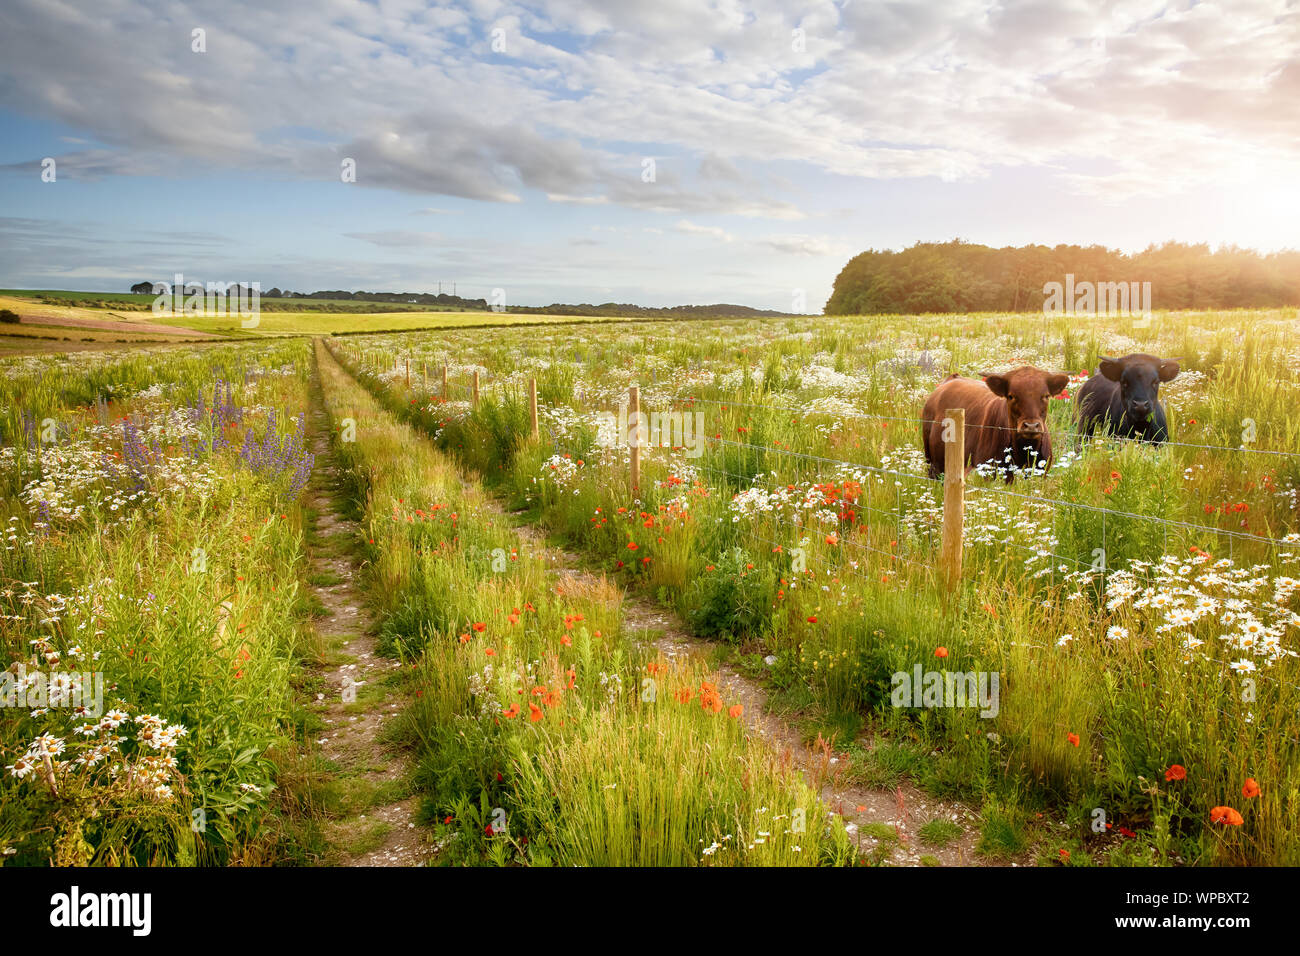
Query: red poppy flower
[[1225, 815]]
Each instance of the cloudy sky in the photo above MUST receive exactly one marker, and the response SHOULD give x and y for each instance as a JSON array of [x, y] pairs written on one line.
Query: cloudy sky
[[651, 151]]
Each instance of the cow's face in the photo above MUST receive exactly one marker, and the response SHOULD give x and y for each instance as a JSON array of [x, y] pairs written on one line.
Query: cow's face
[[1028, 391], [1139, 378]]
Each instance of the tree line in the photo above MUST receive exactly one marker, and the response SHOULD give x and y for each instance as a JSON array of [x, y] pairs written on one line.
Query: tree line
[[442, 299], [960, 276], [454, 302], [628, 310]]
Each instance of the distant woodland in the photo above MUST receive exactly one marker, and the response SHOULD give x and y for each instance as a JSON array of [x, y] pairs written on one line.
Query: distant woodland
[[967, 277]]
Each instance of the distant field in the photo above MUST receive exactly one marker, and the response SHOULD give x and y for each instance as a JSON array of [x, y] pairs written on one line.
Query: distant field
[[41, 339], [325, 323], [132, 301], [46, 328], [49, 341], [80, 321]]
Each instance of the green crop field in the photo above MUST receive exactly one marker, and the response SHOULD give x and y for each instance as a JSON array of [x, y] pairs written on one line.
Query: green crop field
[[135, 301], [330, 323], [77, 316]]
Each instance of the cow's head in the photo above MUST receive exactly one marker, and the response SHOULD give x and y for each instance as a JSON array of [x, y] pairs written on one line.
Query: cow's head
[[1139, 377], [1028, 391]]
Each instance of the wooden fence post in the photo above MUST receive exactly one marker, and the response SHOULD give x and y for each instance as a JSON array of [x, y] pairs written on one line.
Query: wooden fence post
[[476, 388], [633, 430], [954, 493], [444, 381], [532, 404]]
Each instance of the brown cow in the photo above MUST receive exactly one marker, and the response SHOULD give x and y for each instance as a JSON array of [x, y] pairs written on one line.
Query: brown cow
[[1006, 415]]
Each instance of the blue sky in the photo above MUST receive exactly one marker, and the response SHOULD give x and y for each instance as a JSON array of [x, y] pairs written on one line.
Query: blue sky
[[777, 154]]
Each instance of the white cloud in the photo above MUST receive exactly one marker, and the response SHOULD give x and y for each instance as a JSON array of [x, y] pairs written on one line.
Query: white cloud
[[692, 229], [1007, 84], [399, 239], [801, 245]]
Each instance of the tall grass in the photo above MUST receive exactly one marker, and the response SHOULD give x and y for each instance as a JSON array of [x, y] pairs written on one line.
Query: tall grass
[[545, 735], [172, 568], [1073, 581]]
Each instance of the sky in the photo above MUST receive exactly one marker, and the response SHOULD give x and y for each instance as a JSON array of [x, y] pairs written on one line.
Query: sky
[[659, 152]]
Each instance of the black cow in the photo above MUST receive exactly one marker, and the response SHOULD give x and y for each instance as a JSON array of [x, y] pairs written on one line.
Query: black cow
[[1122, 398]]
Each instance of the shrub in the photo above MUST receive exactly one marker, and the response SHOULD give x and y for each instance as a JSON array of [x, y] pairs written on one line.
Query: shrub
[[733, 600]]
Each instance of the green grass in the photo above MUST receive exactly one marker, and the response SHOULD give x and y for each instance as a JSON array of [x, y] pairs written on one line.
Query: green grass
[[842, 600], [1003, 831], [277, 317], [531, 708], [137, 301], [939, 832], [864, 602], [177, 575]]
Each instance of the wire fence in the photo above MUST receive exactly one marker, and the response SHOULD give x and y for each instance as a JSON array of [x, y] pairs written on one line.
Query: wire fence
[[820, 463], [913, 541], [919, 422], [1006, 493]]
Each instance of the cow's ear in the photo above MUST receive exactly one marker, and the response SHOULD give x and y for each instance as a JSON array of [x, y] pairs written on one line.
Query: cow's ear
[[998, 385], [1056, 384], [1169, 370], [1111, 369]]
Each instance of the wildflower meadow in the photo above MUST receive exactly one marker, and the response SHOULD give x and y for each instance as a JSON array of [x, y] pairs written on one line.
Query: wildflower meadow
[[333, 600]]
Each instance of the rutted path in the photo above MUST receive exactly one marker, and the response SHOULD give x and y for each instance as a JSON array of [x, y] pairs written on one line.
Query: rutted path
[[883, 823], [374, 814]]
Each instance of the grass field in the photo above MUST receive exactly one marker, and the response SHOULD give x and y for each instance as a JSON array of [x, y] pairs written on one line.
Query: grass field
[[78, 319], [38, 339], [1137, 605], [328, 323], [530, 696], [132, 301], [151, 542]]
